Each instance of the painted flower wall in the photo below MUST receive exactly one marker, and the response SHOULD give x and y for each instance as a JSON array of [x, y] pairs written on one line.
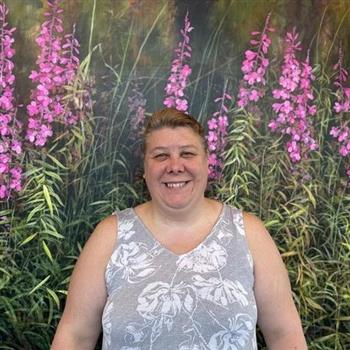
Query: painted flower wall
[[78, 79]]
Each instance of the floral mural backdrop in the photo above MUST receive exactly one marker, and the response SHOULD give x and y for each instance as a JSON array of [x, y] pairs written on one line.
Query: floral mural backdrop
[[78, 79]]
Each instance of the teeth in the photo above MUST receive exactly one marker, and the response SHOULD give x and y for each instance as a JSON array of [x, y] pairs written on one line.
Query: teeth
[[175, 184]]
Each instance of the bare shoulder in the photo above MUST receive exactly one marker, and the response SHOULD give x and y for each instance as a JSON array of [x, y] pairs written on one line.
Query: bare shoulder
[[268, 265], [99, 247], [102, 240], [259, 239], [253, 225], [108, 225], [96, 253]]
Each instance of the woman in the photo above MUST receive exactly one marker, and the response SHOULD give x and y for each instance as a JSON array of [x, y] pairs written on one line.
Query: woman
[[186, 272]]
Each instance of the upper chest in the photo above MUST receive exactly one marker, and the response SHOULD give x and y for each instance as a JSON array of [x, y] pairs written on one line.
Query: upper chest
[[183, 237]]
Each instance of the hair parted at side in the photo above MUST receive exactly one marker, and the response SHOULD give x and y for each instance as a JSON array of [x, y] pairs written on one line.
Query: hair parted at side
[[173, 118]]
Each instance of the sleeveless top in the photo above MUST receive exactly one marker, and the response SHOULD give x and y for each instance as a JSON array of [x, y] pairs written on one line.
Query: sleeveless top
[[159, 300]]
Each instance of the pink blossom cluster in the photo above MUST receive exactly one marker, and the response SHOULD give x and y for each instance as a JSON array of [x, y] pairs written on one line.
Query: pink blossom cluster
[[254, 67], [217, 136], [10, 144], [294, 107], [342, 134], [342, 105], [57, 66], [343, 93], [136, 105], [180, 71]]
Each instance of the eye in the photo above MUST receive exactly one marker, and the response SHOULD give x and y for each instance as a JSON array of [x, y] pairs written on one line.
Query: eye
[[161, 156], [187, 154]]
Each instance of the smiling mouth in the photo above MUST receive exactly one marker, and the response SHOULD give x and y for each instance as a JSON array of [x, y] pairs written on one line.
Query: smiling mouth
[[176, 184]]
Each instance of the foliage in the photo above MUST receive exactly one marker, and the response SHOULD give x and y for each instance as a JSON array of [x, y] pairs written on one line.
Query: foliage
[[84, 173]]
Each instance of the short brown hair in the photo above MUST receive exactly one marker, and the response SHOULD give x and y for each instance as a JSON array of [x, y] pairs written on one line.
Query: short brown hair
[[172, 118]]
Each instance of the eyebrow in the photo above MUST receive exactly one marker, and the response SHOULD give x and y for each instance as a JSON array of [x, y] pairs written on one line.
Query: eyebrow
[[161, 148]]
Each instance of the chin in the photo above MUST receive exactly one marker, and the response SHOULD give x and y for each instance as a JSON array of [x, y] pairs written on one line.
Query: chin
[[176, 206]]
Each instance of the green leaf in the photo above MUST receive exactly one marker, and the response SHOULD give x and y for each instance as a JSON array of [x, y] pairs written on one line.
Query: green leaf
[[28, 239], [54, 297], [271, 223], [53, 175], [34, 211], [57, 162], [310, 195], [47, 250], [54, 234], [64, 292], [48, 199], [39, 285]]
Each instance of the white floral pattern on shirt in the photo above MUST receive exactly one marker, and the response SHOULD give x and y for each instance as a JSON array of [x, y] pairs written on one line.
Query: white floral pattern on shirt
[[134, 260], [236, 337], [206, 258], [125, 229], [220, 292], [160, 299]]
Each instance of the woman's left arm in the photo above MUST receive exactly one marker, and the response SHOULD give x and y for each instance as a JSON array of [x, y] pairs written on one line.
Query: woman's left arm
[[278, 318]]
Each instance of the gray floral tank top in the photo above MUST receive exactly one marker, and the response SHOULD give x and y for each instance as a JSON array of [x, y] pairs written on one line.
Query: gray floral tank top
[[158, 300]]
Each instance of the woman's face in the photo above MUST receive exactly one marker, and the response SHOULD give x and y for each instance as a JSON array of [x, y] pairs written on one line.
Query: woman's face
[[176, 168]]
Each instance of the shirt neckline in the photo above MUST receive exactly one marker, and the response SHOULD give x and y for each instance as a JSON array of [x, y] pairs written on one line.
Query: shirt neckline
[[206, 238]]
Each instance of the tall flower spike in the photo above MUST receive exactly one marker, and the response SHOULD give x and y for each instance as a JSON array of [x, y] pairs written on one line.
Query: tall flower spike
[[217, 136], [57, 65], [342, 105], [294, 98], [10, 144], [136, 104], [251, 87], [180, 71], [73, 105]]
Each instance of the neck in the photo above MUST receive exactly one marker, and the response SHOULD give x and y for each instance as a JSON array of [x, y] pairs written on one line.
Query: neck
[[180, 217]]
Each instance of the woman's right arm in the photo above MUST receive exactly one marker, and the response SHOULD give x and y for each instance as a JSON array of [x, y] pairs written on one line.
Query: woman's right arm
[[80, 325]]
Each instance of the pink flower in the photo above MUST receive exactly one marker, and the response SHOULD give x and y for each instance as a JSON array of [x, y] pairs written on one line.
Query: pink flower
[[250, 55], [251, 87], [181, 104], [217, 136], [334, 132], [254, 95], [32, 108], [293, 108], [180, 71], [16, 146], [344, 151], [57, 68], [169, 102], [212, 124], [341, 132], [186, 70], [338, 107], [10, 144]]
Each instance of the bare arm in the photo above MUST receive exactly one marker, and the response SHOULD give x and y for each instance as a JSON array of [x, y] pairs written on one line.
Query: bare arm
[[80, 324], [277, 315]]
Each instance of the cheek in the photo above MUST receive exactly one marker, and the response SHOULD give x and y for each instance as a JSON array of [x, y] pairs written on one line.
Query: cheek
[[151, 171]]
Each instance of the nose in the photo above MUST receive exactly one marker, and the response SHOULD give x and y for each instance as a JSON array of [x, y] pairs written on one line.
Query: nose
[[175, 165]]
